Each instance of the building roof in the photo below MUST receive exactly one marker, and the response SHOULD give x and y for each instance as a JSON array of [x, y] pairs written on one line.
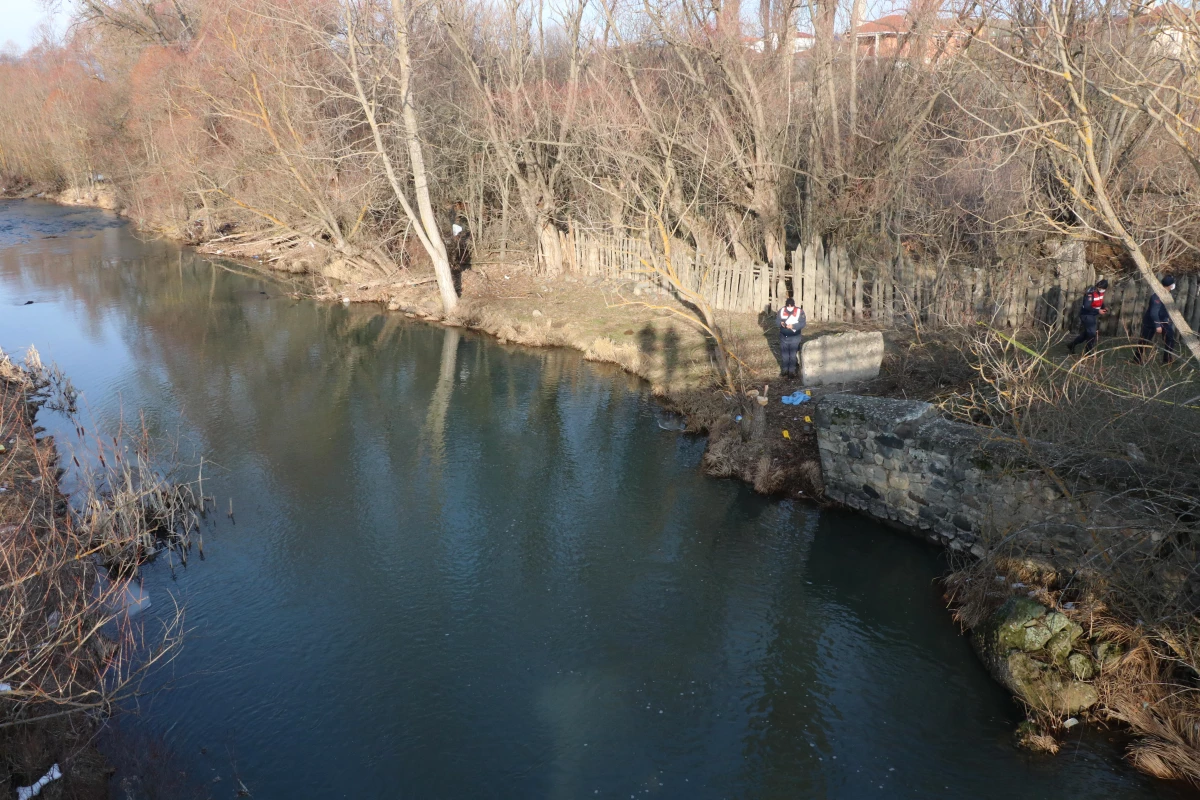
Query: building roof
[[892, 23]]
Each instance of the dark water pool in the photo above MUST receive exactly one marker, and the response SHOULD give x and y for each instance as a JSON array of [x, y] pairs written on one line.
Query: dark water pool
[[460, 570]]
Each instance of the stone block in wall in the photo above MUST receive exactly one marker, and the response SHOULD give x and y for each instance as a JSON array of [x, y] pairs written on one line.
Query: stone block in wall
[[841, 358], [945, 529], [869, 415]]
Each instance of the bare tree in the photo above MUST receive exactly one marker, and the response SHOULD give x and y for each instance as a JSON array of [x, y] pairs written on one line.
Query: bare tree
[[154, 22], [403, 12], [649, 198], [1089, 85], [527, 87], [272, 143], [378, 64], [737, 102]]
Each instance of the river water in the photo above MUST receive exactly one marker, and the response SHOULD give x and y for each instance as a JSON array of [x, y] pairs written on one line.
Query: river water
[[462, 570]]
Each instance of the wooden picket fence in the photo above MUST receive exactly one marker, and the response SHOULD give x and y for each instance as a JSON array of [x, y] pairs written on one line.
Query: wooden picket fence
[[728, 285], [831, 288]]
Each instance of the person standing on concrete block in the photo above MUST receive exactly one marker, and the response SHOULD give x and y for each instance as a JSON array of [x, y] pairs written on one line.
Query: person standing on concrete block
[[1089, 318], [1156, 321], [791, 323]]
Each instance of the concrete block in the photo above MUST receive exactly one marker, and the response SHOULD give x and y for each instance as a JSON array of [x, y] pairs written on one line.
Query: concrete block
[[841, 358]]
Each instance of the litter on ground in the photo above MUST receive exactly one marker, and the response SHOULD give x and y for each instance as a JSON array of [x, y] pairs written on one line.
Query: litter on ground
[[26, 792], [795, 398]]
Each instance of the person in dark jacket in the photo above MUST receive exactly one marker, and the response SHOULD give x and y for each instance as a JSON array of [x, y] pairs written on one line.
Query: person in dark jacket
[[791, 323], [1089, 317], [1156, 321]]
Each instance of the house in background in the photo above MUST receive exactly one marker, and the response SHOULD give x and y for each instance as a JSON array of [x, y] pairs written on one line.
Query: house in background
[[883, 37], [800, 43], [901, 37]]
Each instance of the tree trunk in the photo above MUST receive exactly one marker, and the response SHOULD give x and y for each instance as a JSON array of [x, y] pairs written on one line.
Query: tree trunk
[[1190, 340], [428, 220], [1086, 137], [826, 17], [856, 11], [710, 321], [549, 246]]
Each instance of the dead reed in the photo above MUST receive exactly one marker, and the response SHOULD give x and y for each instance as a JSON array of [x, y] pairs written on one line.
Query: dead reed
[[69, 649]]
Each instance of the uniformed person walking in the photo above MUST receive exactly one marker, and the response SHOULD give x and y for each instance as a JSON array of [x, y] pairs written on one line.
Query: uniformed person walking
[[1156, 321], [1089, 317]]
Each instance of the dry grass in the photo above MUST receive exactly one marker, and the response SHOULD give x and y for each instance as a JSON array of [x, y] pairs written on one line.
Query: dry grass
[[1122, 442], [1033, 737], [605, 350], [729, 454], [68, 652], [1153, 689], [769, 478]]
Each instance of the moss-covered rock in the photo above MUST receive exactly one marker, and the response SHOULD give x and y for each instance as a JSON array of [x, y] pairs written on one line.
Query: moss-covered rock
[[1060, 644], [1059, 648], [1056, 621], [1046, 688], [1018, 625], [1080, 666], [1107, 654], [1031, 651]]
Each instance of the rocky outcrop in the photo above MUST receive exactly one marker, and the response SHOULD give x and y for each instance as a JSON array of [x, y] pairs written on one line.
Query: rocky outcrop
[[1041, 656]]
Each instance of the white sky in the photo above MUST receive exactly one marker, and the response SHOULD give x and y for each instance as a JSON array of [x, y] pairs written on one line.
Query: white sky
[[18, 18]]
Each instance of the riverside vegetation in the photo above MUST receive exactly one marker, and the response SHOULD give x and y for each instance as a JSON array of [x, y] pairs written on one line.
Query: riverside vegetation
[[342, 140], [1114, 603], [68, 574]]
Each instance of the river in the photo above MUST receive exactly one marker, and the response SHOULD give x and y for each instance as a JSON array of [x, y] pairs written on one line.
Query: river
[[457, 569]]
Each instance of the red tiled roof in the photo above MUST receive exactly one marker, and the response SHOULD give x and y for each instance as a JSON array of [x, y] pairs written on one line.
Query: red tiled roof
[[892, 23]]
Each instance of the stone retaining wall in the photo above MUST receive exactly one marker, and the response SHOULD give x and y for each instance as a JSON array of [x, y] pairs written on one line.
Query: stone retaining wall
[[902, 463]]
